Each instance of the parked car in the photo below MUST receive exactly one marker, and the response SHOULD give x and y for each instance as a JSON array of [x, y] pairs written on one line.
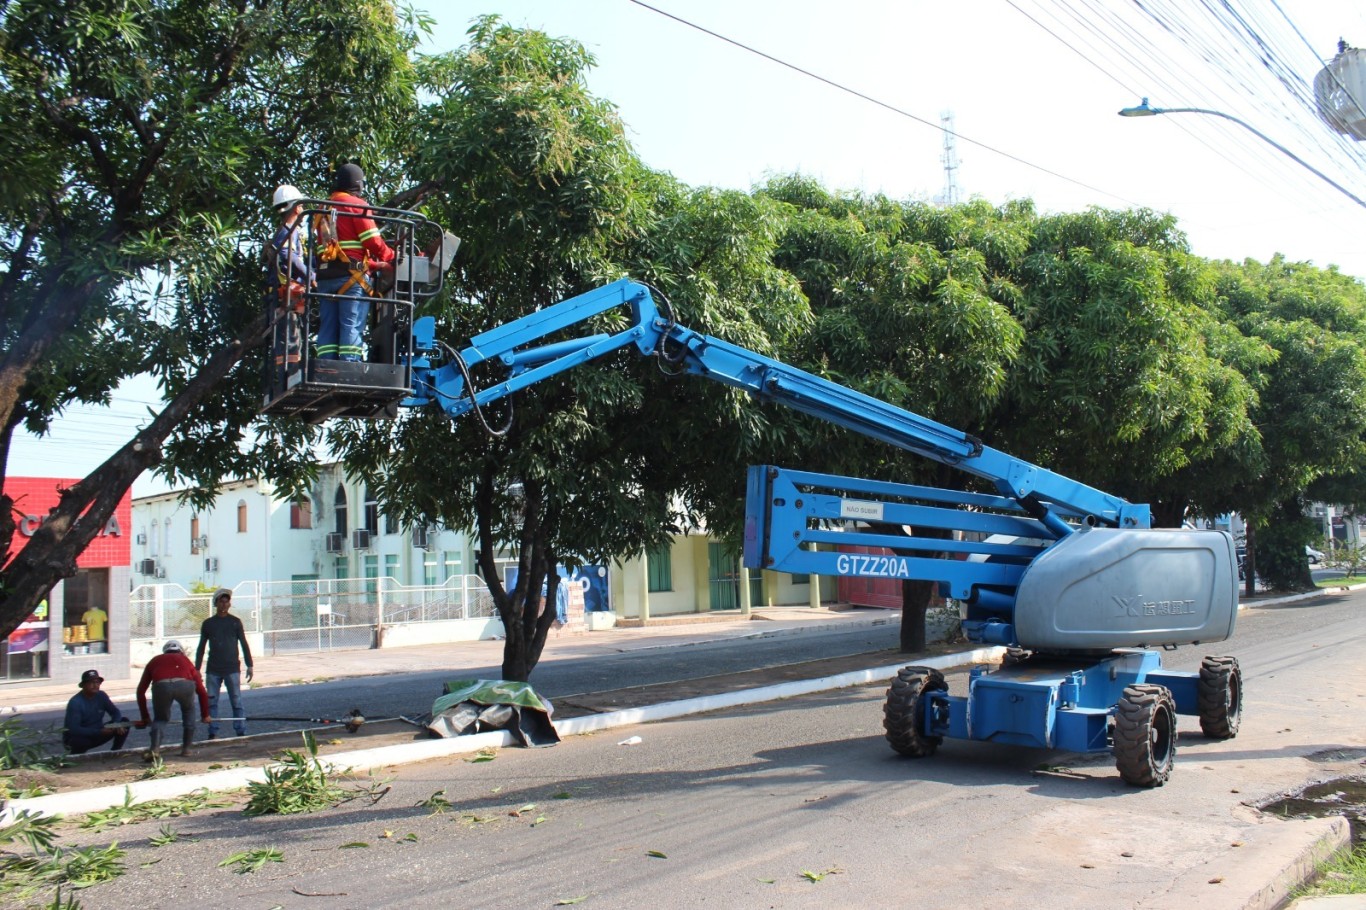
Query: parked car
[[1315, 556]]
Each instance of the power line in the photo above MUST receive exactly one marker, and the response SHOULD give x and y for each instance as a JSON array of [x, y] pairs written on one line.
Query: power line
[[882, 104]]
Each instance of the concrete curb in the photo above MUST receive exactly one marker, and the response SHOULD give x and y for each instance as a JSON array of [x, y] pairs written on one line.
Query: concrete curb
[[1281, 854], [856, 623], [83, 801]]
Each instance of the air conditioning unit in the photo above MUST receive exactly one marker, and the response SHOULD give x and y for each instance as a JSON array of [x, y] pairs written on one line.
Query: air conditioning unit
[[142, 540], [161, 571], [202, 542], [147, 567], [336, 542], [421, 538], [211, 565], [360, 539]]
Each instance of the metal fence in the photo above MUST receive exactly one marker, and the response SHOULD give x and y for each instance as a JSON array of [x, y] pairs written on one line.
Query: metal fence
[[319, 614]]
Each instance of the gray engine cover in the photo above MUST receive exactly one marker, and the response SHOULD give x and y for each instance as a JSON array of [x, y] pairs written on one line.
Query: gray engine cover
[[1102, 588]]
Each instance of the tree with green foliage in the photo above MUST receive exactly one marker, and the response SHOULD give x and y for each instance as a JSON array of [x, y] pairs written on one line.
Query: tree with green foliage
[[142, 140], [910, 306], [1312, 400], [551, 201], [1118, 384]]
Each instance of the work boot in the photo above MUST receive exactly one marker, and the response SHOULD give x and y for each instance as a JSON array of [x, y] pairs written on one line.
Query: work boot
[[185, 742]]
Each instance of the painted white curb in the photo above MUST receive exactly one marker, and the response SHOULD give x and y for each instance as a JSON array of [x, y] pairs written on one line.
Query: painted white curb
[[82, 801], [574, 726]]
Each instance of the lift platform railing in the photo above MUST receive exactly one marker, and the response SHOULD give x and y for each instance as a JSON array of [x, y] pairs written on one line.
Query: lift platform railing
[[300, 384]]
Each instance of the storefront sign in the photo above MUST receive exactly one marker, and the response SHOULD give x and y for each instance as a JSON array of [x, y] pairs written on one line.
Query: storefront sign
[[35, 497]]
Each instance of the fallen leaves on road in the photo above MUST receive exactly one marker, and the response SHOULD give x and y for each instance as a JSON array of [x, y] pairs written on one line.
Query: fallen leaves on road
[[817, 876]]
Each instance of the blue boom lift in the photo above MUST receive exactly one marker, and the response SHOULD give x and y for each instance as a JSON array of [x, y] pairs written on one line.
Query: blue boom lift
[[1074, 582]]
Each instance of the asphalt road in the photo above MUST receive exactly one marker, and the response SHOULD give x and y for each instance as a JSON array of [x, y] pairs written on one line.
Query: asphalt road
[[800, 803], [407, 694]]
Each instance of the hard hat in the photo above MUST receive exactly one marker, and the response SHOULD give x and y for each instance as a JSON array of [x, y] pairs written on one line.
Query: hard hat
[[348, 177], [172, 646], [220, 593], [285, 195]]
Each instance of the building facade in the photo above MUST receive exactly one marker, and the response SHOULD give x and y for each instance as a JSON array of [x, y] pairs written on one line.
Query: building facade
[[341, 531], [252, 533], [83, 624]]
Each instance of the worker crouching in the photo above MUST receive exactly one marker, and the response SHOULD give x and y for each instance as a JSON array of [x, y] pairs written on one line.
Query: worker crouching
[[173, 680]]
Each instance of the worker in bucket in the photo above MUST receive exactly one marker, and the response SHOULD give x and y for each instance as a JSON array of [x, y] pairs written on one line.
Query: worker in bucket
[[346, 267], [173, 680], [222, 634], [290, 276]]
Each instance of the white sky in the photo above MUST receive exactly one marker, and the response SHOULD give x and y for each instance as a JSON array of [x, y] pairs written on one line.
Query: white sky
[[714, 114]]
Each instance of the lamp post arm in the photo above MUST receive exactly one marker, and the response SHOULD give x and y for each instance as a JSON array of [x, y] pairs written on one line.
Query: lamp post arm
[[1269, 141]]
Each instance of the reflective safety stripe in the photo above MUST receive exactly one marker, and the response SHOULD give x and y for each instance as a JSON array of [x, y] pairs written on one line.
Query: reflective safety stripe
[[325, 349], [349, 350]]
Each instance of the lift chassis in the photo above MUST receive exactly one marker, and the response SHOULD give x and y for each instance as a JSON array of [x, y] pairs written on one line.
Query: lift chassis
[[1071, 581]]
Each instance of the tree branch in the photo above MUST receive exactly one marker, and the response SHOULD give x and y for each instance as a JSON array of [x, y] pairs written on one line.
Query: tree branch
[[85, 508], [18, 269]]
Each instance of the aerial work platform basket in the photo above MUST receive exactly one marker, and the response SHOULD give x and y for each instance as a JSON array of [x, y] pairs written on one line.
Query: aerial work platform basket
[[300, 384]]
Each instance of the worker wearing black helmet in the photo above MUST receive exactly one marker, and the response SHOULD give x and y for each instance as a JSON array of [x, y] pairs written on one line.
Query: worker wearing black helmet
[[342, 317]]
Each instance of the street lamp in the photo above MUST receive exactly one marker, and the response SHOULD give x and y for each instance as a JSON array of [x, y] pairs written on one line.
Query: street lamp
[[1147, 110]]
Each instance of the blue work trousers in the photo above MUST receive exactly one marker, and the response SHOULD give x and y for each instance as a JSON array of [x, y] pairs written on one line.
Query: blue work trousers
[[341, 320], [233, 682]]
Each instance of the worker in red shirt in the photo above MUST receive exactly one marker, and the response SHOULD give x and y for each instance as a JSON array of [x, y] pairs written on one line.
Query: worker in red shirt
[[174, 680], [342, 317]]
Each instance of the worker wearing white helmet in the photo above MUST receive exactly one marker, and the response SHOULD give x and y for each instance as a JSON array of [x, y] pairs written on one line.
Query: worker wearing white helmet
[[284, 195], [173, 680], [290, 277]]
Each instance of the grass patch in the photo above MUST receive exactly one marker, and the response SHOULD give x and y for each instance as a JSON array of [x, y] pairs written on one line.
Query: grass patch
[[1341, 582], [1345, 874]]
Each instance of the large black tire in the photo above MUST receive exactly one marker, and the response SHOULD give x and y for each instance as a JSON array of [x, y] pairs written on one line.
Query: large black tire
[[1221, 697], [1145, 735], [903, 715]]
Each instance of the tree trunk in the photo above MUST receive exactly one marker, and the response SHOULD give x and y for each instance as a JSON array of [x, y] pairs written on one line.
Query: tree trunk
[[915, 600], [85, 508], [526, 613], [1168, 514]]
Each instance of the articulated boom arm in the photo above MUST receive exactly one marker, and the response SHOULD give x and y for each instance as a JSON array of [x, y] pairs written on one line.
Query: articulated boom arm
[[520, 346], [802, 522]]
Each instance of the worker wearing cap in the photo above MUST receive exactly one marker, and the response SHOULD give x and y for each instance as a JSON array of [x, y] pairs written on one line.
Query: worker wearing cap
[[173, 680], [222, 634], [342, 318], [84, 727]]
